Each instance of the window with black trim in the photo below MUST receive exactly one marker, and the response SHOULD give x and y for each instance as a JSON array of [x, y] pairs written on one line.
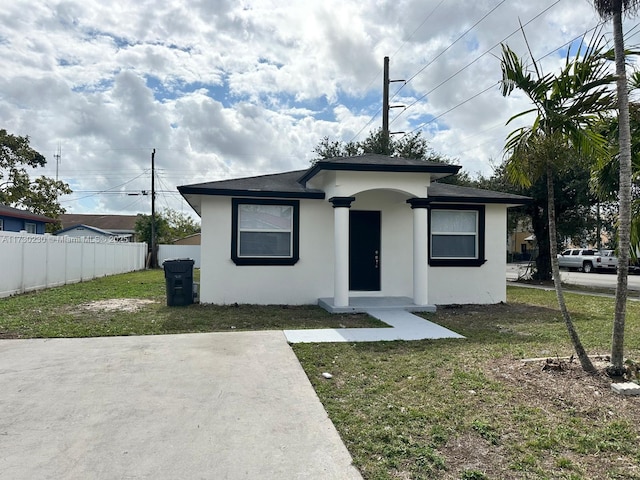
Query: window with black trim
[[456, 235], [265, 232]]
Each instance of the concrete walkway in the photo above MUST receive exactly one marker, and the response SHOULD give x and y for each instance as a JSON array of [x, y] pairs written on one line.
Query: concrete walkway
[[405, 326], [210, 406]]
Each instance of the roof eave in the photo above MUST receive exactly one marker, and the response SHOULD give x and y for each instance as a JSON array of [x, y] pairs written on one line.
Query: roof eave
[[187, 190], [444, 169], [510, 202]]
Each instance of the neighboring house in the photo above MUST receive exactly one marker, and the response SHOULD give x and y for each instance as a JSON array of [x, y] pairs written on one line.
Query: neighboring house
[[17, 220], [193, 239], [123, 226], [92, 233], [364, 226], [521, 244]]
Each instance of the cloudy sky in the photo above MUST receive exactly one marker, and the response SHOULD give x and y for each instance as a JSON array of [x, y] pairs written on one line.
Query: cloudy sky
[[223, 88]]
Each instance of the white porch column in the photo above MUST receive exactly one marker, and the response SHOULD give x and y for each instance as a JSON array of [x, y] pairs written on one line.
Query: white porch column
[[341, 207], [420, 253]]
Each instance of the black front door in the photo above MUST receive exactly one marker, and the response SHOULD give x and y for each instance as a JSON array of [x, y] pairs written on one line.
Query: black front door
[[364, 250]]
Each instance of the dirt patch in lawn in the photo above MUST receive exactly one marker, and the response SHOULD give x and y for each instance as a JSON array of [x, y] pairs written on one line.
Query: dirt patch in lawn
[[558, 390], [116, 305]]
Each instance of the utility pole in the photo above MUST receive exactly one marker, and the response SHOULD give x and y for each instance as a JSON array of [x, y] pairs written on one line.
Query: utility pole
[[58, 156], [385, 100], [154, 262]]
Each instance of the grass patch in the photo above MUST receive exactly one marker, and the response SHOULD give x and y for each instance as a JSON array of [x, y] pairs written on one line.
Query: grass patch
[[445, 409], [135, 304], [470, 409]]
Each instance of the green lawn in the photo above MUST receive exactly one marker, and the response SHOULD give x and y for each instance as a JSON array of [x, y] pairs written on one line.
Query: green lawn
[[443, 409], [470, 409], [73, 311]]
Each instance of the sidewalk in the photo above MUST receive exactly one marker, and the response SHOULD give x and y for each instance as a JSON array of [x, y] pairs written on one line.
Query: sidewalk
[[404, 326]]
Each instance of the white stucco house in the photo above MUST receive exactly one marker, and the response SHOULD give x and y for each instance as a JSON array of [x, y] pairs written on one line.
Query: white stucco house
[[348, 228]]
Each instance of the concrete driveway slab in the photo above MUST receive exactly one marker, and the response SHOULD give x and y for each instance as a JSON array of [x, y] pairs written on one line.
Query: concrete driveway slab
[[197, 406]]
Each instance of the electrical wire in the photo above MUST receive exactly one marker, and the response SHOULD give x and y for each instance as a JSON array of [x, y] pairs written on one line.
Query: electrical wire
[[106, 190], [374, 116], [440, 54], [473, 62], [491, 86], [451, 45]]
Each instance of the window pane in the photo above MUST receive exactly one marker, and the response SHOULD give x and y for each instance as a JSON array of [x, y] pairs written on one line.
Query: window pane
[[453, 246], [453, 221], [265, 244], [265, 217]]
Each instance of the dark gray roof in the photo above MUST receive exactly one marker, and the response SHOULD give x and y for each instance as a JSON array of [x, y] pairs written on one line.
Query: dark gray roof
[[24, 214], [286, 185], [377, 159], [275, 185], [373, 162], [455, 193]]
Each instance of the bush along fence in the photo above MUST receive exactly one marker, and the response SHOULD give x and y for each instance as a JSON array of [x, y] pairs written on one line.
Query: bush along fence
[[33, 262]]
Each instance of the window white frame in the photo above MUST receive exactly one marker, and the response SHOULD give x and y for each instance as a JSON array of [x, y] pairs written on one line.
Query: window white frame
[[1, 224], [30, 227]]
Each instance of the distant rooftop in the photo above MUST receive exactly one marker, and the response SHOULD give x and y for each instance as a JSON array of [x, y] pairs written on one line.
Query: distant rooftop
[[111, 223], [24, 214]]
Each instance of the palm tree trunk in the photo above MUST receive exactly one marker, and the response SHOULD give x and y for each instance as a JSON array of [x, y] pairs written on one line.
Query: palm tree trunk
[[624, 241], [585, 361]]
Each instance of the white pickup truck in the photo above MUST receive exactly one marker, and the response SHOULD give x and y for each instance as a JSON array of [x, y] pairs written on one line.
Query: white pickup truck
[[588, 260]]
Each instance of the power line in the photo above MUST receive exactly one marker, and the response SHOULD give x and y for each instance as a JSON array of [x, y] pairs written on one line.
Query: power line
[[374, 116], [452, 44], [454, 107], [475, 60], [106, 190], [491, 86], [441, 53]]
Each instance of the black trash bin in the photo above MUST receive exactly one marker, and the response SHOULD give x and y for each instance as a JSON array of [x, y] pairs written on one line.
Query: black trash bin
[[178, 275]]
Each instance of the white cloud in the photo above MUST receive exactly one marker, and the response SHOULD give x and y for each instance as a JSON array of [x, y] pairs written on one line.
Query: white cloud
[[223, 88]]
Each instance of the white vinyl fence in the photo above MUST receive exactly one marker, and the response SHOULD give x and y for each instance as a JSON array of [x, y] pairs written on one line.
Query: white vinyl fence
[[170, 252], [32, 262]]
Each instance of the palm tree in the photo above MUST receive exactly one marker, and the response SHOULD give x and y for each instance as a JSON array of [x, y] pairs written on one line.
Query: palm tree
[[614, 9], [565, 107]]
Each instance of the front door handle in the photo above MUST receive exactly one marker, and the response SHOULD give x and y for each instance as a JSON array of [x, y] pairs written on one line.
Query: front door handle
[[376, 258]]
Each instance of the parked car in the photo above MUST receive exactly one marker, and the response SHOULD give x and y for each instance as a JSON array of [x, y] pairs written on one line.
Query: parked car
[[609, 260], [588, 260]]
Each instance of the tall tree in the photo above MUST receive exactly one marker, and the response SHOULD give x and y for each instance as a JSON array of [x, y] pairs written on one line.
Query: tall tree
[[614, 9], [170, 225], [180, 224], [565, 106], [408, 146], [17, 188], [574, 205]]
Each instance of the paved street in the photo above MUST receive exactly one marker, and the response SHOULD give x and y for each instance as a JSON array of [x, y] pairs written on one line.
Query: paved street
[[600, 280]]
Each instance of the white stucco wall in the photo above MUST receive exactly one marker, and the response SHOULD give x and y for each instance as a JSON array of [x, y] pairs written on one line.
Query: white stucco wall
[[223, 282], [348, 183], [485, 284]]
